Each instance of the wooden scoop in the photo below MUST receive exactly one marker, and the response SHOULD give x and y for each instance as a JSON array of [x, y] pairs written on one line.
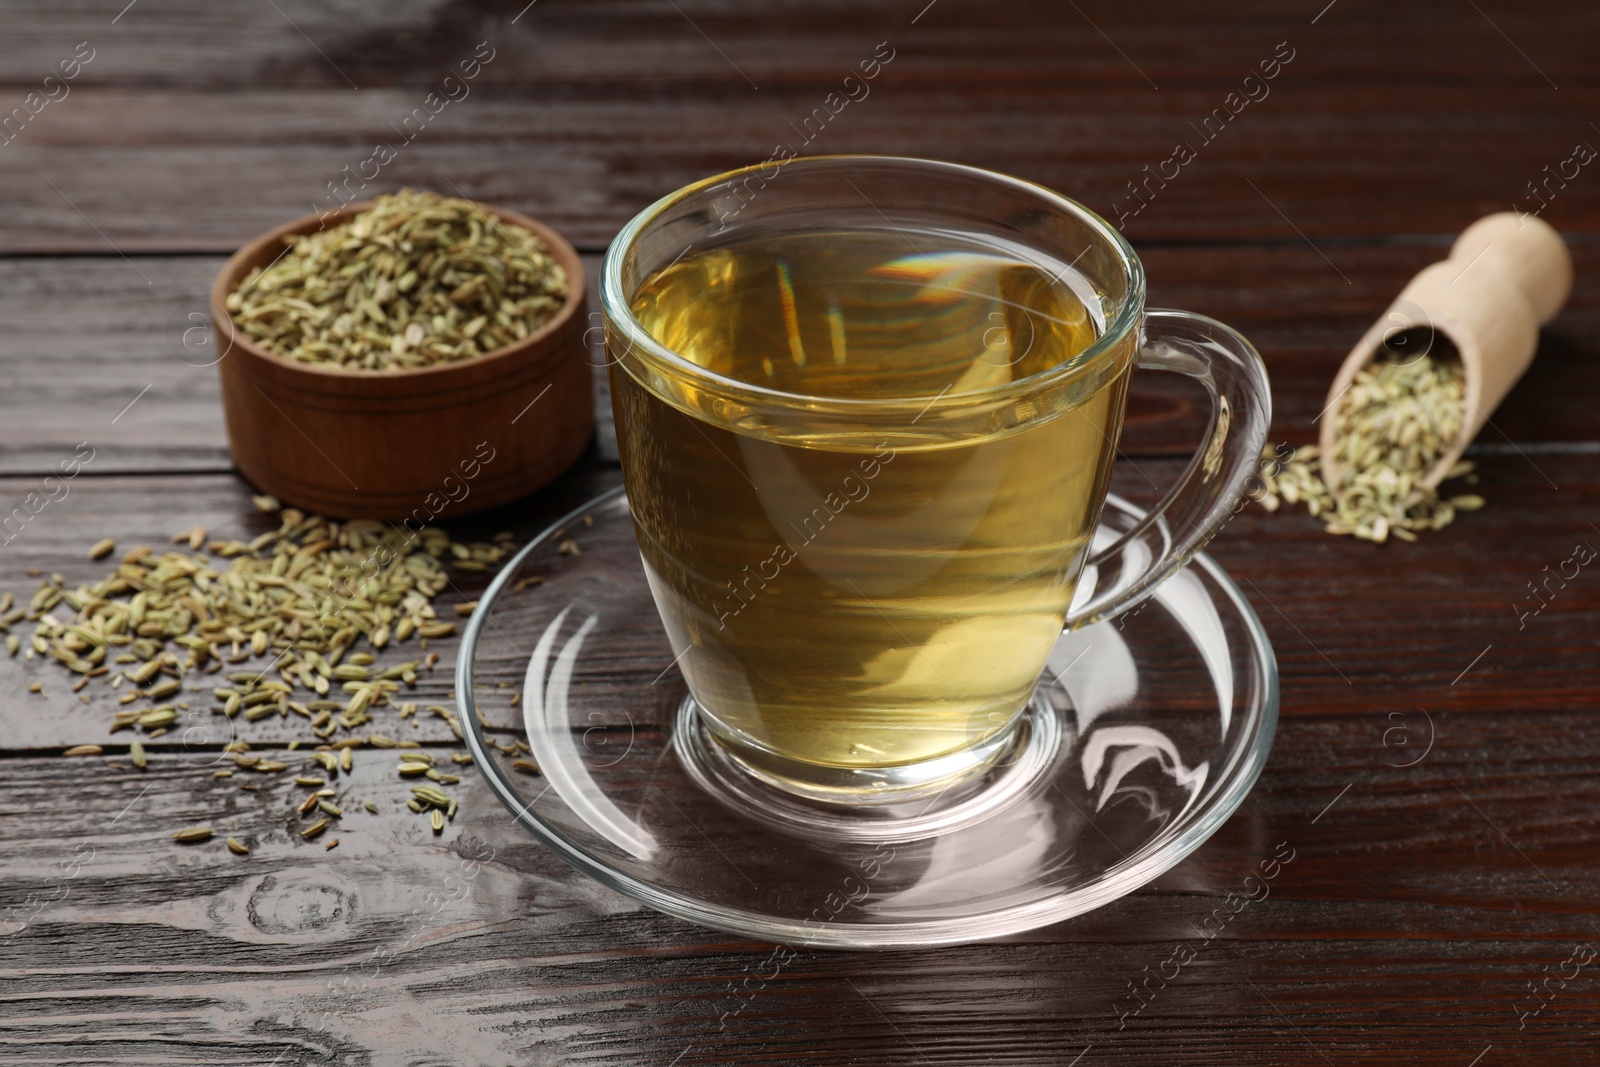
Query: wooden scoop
[[1507, 275]]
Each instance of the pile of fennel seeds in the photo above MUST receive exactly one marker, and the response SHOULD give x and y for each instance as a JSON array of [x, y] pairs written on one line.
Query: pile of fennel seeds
[[1397, 419], [290, 627], [416, 280]]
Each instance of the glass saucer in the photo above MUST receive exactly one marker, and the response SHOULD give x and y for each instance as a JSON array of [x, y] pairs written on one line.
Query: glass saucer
[[1145, 734]]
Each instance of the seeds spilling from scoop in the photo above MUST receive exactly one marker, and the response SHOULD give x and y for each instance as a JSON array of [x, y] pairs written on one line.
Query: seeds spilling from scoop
[[416, 280], [1395, 422]]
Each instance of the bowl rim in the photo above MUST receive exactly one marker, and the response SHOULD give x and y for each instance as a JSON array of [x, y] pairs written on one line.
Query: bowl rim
[[252, 252]]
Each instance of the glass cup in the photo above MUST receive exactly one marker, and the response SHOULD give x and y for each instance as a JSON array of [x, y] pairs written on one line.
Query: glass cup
[[867, 409]]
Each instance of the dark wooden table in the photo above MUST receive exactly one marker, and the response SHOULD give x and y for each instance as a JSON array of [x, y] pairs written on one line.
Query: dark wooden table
[[1430, 897]]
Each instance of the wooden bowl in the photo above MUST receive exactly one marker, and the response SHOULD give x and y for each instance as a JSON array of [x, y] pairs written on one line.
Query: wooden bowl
[[416, 444]]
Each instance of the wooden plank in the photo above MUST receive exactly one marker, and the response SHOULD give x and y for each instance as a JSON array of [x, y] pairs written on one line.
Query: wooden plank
[[149, 510], [1436, 762], [119, 354], [87, 337], [208, 172], [570, 122], [632, 44], [1474, 576], [1358, 626], [94, 355], [1425, 923]]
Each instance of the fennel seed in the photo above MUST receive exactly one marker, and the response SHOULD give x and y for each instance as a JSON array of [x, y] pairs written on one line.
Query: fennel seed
[[414, 281], [1396, 420]]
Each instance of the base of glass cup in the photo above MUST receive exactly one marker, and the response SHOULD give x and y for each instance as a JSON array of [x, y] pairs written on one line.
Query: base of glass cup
[[907, 802]]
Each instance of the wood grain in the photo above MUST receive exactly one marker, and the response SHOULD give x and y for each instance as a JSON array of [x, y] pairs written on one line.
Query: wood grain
[[1474, 576], [588, 112], [141, 509], [87, 338], [206, 173], [1423, 920], [121, 354], [1435, 766]]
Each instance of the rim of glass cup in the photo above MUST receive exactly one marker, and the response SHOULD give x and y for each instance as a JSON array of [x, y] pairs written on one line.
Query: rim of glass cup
[[619, 314]]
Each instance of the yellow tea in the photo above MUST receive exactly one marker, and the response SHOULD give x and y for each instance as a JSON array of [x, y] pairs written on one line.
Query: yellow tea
[[839, 595]]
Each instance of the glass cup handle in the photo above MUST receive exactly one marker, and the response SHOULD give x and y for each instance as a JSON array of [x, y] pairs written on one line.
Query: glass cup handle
[[1122, 574]]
